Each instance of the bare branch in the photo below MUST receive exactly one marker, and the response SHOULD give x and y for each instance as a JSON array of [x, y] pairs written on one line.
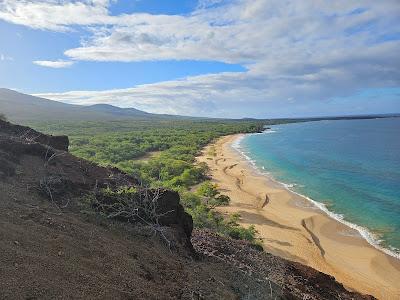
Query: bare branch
[[139, 206]]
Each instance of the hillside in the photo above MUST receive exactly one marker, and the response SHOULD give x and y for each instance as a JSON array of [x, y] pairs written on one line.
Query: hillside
[[116, 111], [57, 244], [31, 110], [20, 107]]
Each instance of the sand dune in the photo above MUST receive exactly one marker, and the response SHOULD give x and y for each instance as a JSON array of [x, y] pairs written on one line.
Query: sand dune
[[291, 227]]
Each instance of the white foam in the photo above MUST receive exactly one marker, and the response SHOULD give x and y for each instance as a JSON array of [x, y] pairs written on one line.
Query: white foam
[[371, 238], [267, 131]]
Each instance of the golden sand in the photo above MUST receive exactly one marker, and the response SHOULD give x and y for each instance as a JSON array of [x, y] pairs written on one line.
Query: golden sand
[[292, 228]]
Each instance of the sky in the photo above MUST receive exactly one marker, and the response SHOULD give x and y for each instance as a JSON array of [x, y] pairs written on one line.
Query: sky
[[216, 58]]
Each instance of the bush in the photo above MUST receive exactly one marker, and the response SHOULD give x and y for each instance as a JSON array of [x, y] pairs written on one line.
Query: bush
[[204, 217], [208, 189], [190, 200], [241, 233], [221, 200], [237, 232]]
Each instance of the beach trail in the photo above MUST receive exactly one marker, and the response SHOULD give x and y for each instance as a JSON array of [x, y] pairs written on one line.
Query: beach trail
[[291, 227]]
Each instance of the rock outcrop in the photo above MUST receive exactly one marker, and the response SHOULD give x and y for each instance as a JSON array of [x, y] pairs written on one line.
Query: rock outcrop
[[31, 135], [169, 202]]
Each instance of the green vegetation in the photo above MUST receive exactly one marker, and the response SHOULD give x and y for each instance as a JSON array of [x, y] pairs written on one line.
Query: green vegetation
[[122, 144], [211, 194], [208, 189], [204, 216]]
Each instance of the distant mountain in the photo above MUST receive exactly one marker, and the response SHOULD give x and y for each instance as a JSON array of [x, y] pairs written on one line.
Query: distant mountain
[[20, 107], [24, 109], [115, 110]]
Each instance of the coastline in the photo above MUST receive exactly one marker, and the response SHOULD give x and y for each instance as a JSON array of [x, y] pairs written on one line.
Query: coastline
[[292, 227], [364, 232]]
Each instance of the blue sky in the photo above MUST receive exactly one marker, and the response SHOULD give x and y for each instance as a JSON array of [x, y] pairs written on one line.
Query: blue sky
[[259, 58], [25, 45]]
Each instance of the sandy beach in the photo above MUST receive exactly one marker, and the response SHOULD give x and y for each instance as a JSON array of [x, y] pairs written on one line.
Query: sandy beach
[[291, 227]]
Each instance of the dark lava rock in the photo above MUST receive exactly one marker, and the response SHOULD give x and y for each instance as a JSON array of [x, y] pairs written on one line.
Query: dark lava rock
[[31, 135]]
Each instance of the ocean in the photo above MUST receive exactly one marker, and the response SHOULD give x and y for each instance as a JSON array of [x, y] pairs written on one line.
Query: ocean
[[349, 168]]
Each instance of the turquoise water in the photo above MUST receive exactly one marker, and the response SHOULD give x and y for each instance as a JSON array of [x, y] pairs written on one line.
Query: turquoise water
[[353, 167]]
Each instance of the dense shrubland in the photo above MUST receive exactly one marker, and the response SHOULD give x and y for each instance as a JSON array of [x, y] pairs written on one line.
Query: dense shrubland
[[177, 143]]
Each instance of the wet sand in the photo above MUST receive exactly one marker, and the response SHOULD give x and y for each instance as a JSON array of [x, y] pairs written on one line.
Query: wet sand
[[291, 227]]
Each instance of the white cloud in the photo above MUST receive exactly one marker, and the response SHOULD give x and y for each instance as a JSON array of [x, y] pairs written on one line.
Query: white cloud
[[298, 50], [5, 57], [58, 64], [55, 15]]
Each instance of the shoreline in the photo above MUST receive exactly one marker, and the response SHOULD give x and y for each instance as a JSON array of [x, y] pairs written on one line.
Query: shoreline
[[292, 227], [363, 231]]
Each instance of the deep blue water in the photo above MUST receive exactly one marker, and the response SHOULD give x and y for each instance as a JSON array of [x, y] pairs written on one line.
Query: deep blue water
[[351, 166]]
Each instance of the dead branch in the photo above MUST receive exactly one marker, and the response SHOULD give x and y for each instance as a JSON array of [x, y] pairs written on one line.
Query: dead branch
[[140, 206]]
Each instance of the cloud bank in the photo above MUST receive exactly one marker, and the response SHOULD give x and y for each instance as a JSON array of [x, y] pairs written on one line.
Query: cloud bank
[[296, 53]]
